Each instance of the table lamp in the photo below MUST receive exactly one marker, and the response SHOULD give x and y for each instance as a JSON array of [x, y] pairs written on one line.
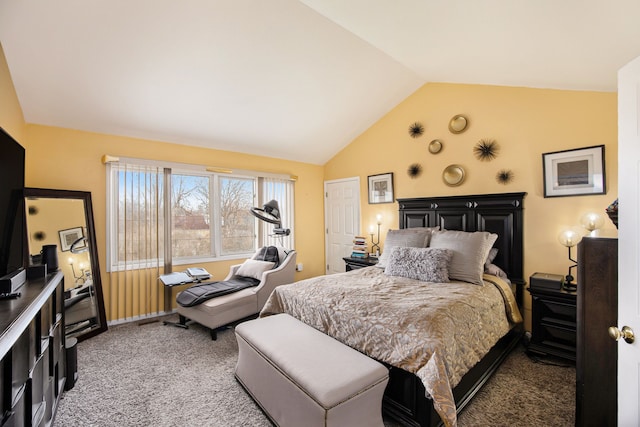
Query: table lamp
[[570, 237]]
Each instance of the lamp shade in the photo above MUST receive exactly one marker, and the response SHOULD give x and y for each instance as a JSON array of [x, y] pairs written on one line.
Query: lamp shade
[[592, 221], [569, 237]]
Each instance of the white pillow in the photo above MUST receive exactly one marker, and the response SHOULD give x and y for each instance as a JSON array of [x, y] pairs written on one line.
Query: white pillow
[[470, 252], [254, 268], [405, 238]]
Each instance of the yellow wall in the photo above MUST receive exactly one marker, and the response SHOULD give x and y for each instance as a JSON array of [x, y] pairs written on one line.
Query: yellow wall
[[11, 118], [524, 122]]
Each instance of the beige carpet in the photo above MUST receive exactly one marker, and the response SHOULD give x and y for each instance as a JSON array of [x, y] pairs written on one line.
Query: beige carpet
[[156, 375]]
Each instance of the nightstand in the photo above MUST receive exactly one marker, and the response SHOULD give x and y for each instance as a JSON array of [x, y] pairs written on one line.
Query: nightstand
[[553, 323], [355, 263]]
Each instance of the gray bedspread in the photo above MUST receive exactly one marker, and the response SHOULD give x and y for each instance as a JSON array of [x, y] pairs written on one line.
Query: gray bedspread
[[438, 331]]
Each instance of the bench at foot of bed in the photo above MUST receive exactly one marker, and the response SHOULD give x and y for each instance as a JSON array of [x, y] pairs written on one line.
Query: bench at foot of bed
[[300, 376]]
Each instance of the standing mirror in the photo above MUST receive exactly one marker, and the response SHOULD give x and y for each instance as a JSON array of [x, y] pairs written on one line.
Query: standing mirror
[[65, 218]]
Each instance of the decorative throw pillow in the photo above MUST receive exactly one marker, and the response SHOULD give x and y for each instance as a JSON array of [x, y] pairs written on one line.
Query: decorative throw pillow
[[496, 271], [470, 251], [254, 268], [426, 264], [493, 252], [409, 237]]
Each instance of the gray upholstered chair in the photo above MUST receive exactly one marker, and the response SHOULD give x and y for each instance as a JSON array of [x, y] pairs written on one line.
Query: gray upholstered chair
[[225, 309]]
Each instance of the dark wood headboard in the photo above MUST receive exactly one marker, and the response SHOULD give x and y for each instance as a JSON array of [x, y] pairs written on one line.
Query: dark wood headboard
[[497, 213]]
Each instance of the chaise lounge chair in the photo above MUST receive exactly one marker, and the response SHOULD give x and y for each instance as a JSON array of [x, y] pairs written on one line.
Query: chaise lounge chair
[[231, 307]]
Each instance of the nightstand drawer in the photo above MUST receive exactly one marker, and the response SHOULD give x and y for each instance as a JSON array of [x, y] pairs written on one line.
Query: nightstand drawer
[[556, 309], [557, 333], [352, 263]]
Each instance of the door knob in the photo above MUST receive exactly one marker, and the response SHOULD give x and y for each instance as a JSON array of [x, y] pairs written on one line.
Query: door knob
[[626, 333]]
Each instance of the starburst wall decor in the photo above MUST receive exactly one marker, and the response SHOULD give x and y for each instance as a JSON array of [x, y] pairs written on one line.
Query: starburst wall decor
[[486, 149], [414, 170], [504, 176], [416, 129]]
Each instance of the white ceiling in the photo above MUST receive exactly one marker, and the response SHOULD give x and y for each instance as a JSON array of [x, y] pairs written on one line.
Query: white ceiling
[[292, 79]]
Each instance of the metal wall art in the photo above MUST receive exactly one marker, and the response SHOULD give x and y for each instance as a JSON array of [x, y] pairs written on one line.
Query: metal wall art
[[416, 129], [486, 149], [504, 176], [458, 124], [453, 175], [414, 170], [435, 146]]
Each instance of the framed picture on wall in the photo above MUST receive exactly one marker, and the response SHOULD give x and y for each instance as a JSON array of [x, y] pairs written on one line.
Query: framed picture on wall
[[381, 188], [574, 172], [70, 235]]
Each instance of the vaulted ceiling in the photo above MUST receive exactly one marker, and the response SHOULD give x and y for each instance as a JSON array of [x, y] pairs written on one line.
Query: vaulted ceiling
[[292, 79]]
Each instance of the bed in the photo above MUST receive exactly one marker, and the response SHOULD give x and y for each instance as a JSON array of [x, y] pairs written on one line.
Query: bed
[[436, 364]]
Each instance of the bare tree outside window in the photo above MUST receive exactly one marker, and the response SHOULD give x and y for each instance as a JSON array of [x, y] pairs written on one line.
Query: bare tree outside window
[[190, 225], [139, 205], [237, 224]]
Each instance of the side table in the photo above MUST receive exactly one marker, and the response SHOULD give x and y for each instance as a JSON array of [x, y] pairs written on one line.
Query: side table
[[553, 322], [353, 263]]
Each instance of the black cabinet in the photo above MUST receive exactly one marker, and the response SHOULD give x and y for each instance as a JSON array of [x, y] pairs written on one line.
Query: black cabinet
[[32, 353], [353, 263], [596, 365], [553, 323]]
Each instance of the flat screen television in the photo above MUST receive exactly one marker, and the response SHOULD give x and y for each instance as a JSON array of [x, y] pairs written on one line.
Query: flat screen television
[[12, 215]]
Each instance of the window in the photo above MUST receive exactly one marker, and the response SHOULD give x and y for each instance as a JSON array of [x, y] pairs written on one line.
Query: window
[[137, 216], [237, 225], [191, 234], [200, 215]]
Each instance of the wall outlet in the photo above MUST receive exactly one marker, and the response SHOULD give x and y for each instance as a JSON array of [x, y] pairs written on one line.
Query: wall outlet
[[299, 266]]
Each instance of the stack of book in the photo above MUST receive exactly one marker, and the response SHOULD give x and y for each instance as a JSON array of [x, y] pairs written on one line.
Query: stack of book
[[359, 247]]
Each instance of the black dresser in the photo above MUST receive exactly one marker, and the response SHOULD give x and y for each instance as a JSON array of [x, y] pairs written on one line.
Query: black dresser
[[32, 353]]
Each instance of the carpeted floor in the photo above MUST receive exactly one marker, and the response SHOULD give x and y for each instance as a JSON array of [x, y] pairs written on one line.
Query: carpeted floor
[[156, 375]]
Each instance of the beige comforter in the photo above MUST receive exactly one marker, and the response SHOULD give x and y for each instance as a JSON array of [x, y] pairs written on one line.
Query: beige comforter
[[437, 331]]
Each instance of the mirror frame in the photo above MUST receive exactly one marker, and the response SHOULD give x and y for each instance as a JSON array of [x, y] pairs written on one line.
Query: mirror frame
[[85, 196]]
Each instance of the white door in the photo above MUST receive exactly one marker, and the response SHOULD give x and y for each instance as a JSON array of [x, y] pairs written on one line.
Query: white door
[[628, 241], [341, 219]]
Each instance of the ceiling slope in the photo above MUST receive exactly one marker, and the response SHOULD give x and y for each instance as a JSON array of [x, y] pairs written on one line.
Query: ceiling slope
[[290, 79]]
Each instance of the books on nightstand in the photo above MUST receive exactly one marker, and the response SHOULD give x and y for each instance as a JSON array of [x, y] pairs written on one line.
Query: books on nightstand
[[359, 247]]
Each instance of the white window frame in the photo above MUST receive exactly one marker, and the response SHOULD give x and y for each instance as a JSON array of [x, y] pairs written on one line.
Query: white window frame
[[113, 264]]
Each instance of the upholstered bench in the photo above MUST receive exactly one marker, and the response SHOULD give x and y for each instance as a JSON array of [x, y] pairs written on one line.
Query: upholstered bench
[[302, 377]]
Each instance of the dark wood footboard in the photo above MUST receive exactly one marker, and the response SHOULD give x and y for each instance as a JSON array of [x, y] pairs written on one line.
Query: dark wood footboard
[[405, 400]]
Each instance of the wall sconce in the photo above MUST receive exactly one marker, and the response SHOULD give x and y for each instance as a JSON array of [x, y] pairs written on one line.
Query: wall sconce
[[570, 237], [375, 244]]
